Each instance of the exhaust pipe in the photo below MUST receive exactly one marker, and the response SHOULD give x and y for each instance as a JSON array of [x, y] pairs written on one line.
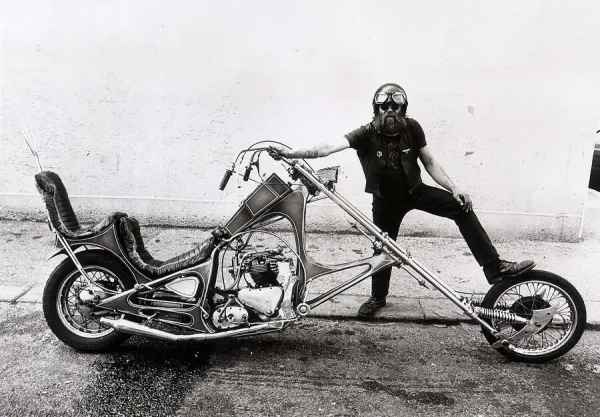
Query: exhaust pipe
[[127, 326]]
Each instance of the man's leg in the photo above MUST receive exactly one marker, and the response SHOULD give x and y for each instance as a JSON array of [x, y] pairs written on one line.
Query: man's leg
[[387, 215], [441, 203]]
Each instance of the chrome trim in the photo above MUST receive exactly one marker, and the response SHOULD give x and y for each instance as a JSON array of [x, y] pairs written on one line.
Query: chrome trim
[[166, 302], [182, 280], [157, 310], [127, 326]]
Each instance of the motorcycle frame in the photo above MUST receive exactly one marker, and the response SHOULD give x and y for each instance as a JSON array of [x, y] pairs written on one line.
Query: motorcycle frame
[[289, 204]]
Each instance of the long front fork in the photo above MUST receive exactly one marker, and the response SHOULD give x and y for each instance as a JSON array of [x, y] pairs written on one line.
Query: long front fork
[[395, 250]]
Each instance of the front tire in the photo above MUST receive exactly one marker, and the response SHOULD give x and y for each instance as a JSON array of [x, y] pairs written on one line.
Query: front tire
[[66, 312], [537, 290]]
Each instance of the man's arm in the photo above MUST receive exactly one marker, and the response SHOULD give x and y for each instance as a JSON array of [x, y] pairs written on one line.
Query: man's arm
[[439, 175], [315, 151]]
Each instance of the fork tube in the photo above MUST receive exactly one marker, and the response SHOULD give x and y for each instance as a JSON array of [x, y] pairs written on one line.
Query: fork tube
[[394, 248]]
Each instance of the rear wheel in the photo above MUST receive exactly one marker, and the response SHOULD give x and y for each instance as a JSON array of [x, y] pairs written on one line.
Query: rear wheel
[[68, 300], [537, 290]]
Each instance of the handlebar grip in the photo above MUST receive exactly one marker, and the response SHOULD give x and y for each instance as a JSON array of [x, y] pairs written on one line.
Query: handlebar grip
[[225, 179], [247, 172]]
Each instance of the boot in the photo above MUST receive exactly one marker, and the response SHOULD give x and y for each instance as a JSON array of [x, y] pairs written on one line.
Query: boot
[[498, 269], [368, 309]]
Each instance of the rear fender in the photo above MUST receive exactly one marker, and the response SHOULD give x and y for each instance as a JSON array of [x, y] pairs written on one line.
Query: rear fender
[[62, 251], [78, 250], [56, 253], [106, 242]]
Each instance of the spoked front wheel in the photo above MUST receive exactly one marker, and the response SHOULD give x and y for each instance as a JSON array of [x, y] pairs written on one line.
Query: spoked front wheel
[[532, 293]]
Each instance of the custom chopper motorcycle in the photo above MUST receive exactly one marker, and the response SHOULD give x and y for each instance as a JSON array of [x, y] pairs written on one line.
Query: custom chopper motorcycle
[[109, 286]]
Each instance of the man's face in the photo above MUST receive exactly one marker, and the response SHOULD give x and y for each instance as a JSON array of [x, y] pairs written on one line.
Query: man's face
[[389, 116]]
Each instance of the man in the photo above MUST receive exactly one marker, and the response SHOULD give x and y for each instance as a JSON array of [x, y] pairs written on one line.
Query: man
[[388, 149]]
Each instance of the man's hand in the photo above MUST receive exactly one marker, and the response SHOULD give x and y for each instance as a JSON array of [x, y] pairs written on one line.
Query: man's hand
[[277, 151], [463, 199]]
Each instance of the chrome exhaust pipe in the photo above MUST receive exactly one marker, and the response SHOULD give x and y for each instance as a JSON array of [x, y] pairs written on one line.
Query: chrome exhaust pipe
[[127, 326]]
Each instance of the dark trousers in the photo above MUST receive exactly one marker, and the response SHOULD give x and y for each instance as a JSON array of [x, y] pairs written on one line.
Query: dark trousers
[[389, 212]]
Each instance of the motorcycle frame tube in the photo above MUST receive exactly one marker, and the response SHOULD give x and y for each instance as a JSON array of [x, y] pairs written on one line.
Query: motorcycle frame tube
[[374, 264], [71, 255], [390, 244]]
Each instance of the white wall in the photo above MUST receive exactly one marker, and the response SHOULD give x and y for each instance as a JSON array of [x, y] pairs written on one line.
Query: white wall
[[141, 105]]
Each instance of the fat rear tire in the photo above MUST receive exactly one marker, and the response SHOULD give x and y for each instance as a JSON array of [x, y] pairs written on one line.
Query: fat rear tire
[[66, 271], [551, 279]]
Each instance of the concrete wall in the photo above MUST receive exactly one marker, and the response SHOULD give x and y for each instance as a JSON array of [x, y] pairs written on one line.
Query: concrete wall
[[141, 105]]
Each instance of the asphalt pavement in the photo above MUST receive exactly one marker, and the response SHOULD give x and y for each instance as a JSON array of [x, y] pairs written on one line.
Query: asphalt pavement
[[25, 245], [315, 368]]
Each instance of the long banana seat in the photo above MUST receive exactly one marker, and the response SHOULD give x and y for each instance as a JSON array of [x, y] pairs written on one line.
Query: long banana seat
[[64, 221], [141, 258]]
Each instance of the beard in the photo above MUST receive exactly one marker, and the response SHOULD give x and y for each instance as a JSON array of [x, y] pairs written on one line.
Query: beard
[[390, 123]]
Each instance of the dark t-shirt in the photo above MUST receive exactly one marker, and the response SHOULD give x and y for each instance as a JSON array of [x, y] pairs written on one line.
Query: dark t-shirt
[[394, 156], [393, 180]]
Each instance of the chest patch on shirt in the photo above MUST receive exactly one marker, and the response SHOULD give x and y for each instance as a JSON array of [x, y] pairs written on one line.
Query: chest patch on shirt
[[393, 150]]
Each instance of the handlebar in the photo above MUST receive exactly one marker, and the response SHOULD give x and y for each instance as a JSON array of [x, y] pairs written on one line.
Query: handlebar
[[225, 179], [255, 152], [247, 172]]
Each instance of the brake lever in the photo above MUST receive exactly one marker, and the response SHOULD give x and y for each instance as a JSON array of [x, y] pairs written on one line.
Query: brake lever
[[249, 167]]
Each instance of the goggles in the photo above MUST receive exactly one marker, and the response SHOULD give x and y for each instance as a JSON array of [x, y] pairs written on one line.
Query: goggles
[[396, 96]]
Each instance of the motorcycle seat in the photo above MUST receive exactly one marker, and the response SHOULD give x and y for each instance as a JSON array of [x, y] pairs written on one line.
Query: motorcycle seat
[[137, 253], [60, 212], [64, 221]]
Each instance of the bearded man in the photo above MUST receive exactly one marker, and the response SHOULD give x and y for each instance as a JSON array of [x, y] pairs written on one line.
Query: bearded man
[[388, 148]]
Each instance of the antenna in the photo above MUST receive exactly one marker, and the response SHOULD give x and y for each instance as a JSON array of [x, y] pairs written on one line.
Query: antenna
[[32, 144]]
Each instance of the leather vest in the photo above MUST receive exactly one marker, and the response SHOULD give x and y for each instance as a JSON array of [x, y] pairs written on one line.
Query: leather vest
[[373, 161]]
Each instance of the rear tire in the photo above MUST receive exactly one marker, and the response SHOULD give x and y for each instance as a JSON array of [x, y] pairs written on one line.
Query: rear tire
[[538, 290], [64, 312]]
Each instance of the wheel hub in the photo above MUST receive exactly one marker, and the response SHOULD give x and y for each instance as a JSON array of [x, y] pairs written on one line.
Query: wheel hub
[[88, 300], [524, 307]]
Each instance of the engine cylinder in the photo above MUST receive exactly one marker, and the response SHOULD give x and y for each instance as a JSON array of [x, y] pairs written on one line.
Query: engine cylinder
[[264, 271]]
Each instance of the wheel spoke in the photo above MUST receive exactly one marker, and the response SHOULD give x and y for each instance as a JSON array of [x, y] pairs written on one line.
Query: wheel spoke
[[74, 315], [545, 339]]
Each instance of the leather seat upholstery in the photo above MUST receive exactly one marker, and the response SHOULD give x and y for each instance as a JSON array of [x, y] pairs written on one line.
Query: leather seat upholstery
[[60, 211], [64, 221], [139, 255]]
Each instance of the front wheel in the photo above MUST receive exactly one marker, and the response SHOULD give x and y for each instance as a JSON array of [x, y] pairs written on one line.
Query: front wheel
[[536, 290], [68, 300]]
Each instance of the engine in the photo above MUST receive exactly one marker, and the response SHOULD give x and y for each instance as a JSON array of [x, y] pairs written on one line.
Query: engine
[[261, 279], [264, 270]]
